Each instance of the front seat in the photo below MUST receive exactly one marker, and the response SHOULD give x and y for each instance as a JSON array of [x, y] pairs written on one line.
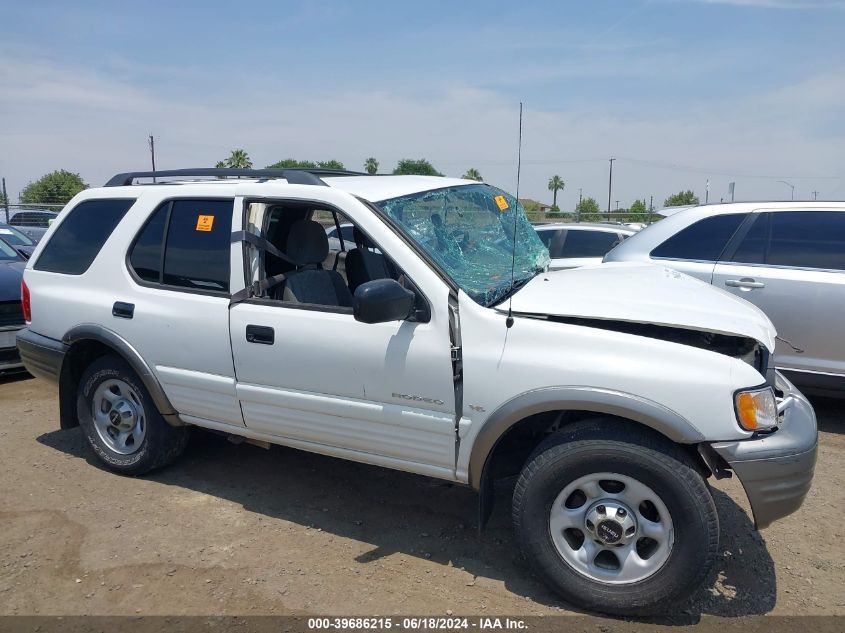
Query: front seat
[[363, 265], [307, 248]]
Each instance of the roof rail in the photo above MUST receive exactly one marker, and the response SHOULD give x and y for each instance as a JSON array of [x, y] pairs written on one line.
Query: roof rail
[[303, 176]]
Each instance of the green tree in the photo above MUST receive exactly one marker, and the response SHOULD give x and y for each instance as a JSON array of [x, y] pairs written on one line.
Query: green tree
[[238, 159], [680, 199], [555, 184], [292, 163], [54, 188], [371, 165], [411, 167], [473, 174], [331, 164], [588, 211], [638, 211]]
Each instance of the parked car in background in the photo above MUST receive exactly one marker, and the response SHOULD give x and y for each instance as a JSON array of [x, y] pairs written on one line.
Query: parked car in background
[[787, 258], [347, 232], [33, 223], [11, 315], [580, 243], [17, 239]]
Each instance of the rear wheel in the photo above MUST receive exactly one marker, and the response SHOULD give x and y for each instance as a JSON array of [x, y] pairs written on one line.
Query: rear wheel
[[615, 519], [121, 422]]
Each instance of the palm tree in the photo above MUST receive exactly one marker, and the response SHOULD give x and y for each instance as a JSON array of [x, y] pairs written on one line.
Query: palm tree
[[473, 174], [555, 184], [371, 165], [238, 159]]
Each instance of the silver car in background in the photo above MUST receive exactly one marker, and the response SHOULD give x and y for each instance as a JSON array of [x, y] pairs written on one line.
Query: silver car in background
[[787, 258], [574, 244]]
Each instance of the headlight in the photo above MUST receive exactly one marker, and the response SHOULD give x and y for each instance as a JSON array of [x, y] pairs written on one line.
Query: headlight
[[756, 409]]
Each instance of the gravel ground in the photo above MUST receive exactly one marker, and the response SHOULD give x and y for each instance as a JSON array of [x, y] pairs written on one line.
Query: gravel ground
[[236, 529]]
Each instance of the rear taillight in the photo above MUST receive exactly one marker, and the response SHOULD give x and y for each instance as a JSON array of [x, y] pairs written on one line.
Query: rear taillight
[[26, 306]]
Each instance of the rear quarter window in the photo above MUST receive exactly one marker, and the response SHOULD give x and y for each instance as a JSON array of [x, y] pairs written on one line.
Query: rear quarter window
[[80, 236], [703, 240]]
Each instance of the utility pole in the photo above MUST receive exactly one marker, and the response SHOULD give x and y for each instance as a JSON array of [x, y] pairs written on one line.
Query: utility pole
[[815, 195], [153, 153], [610, 184], [5, 201], [617, 206], [579, 195]]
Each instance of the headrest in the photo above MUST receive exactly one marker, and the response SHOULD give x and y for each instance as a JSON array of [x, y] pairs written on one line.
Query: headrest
[[361, 240], [307, 243]]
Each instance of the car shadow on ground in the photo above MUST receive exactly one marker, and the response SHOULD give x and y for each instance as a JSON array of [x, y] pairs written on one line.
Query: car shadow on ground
[[412, 515]]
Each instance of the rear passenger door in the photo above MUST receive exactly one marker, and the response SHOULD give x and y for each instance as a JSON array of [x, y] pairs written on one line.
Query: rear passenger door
[[695, 249], [791, 264], [179, 268]]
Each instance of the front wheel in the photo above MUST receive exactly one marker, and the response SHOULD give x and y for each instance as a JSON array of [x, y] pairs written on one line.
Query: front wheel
[[121, 422], [616, 520]]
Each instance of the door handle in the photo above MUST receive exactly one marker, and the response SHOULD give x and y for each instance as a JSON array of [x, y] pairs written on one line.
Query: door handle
[[123, 310], [745, 283], [260, 334]]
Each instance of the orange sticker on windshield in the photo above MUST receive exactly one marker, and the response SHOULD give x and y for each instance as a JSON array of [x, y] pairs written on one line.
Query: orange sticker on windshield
[[205, 222], [501, 203]]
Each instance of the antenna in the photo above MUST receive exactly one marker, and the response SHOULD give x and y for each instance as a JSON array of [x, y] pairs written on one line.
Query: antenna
[[509, 320]]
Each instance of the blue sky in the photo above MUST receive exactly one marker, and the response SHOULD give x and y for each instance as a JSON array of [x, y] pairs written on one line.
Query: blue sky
[[751, 91]]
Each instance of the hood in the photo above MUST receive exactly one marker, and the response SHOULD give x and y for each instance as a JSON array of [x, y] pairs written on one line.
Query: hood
[[642, 293], [10, 280]]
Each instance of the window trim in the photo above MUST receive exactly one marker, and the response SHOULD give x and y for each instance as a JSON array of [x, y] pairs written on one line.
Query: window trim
[[327, 206], [65, 216], [161, 285]]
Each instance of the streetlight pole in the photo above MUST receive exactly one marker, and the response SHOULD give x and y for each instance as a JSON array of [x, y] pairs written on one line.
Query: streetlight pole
[[791, 186], [610, 185]]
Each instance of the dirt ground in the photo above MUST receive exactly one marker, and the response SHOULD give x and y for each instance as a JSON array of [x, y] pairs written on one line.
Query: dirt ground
[[236, 529]]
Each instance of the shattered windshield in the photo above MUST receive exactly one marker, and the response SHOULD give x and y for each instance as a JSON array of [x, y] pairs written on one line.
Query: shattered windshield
[[467, 230]]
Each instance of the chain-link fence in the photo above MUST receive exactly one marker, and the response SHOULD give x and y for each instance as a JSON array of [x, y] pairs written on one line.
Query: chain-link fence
[[35, 215]]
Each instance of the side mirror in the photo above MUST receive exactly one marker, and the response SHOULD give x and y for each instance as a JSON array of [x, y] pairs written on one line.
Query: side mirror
[[382, 300]]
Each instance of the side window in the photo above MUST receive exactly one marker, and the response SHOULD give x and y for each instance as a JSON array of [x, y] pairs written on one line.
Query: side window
[[557, 242], [752, 248], [808, 239], [145, 257], [348, 233], [81, 235], [194, 235], [545, 236], [703, 240], [582, 243]]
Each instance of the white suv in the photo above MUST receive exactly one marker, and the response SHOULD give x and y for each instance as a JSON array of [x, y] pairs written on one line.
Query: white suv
[[442, 346]]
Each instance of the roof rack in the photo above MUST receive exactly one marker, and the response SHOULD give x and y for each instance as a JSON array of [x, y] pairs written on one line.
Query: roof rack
[[303, 176]]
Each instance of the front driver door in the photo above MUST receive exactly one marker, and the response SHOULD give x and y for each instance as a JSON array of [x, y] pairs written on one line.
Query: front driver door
[[313, 377]]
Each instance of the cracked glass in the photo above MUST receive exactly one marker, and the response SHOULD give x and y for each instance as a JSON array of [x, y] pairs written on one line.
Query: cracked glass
[[468, 231]]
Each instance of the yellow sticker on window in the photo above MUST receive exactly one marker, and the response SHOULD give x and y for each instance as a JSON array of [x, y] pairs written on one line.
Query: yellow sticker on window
[[501, 203], [205, 222]]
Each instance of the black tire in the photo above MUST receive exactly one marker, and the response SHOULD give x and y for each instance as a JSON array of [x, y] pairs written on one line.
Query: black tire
[[161, 444], [607, 445]]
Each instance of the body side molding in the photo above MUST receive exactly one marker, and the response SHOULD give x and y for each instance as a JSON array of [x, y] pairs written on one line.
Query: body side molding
[[575, 398]]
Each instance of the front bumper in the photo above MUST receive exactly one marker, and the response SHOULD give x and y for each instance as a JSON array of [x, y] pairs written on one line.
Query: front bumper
[[42, 356], [776, 470]]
